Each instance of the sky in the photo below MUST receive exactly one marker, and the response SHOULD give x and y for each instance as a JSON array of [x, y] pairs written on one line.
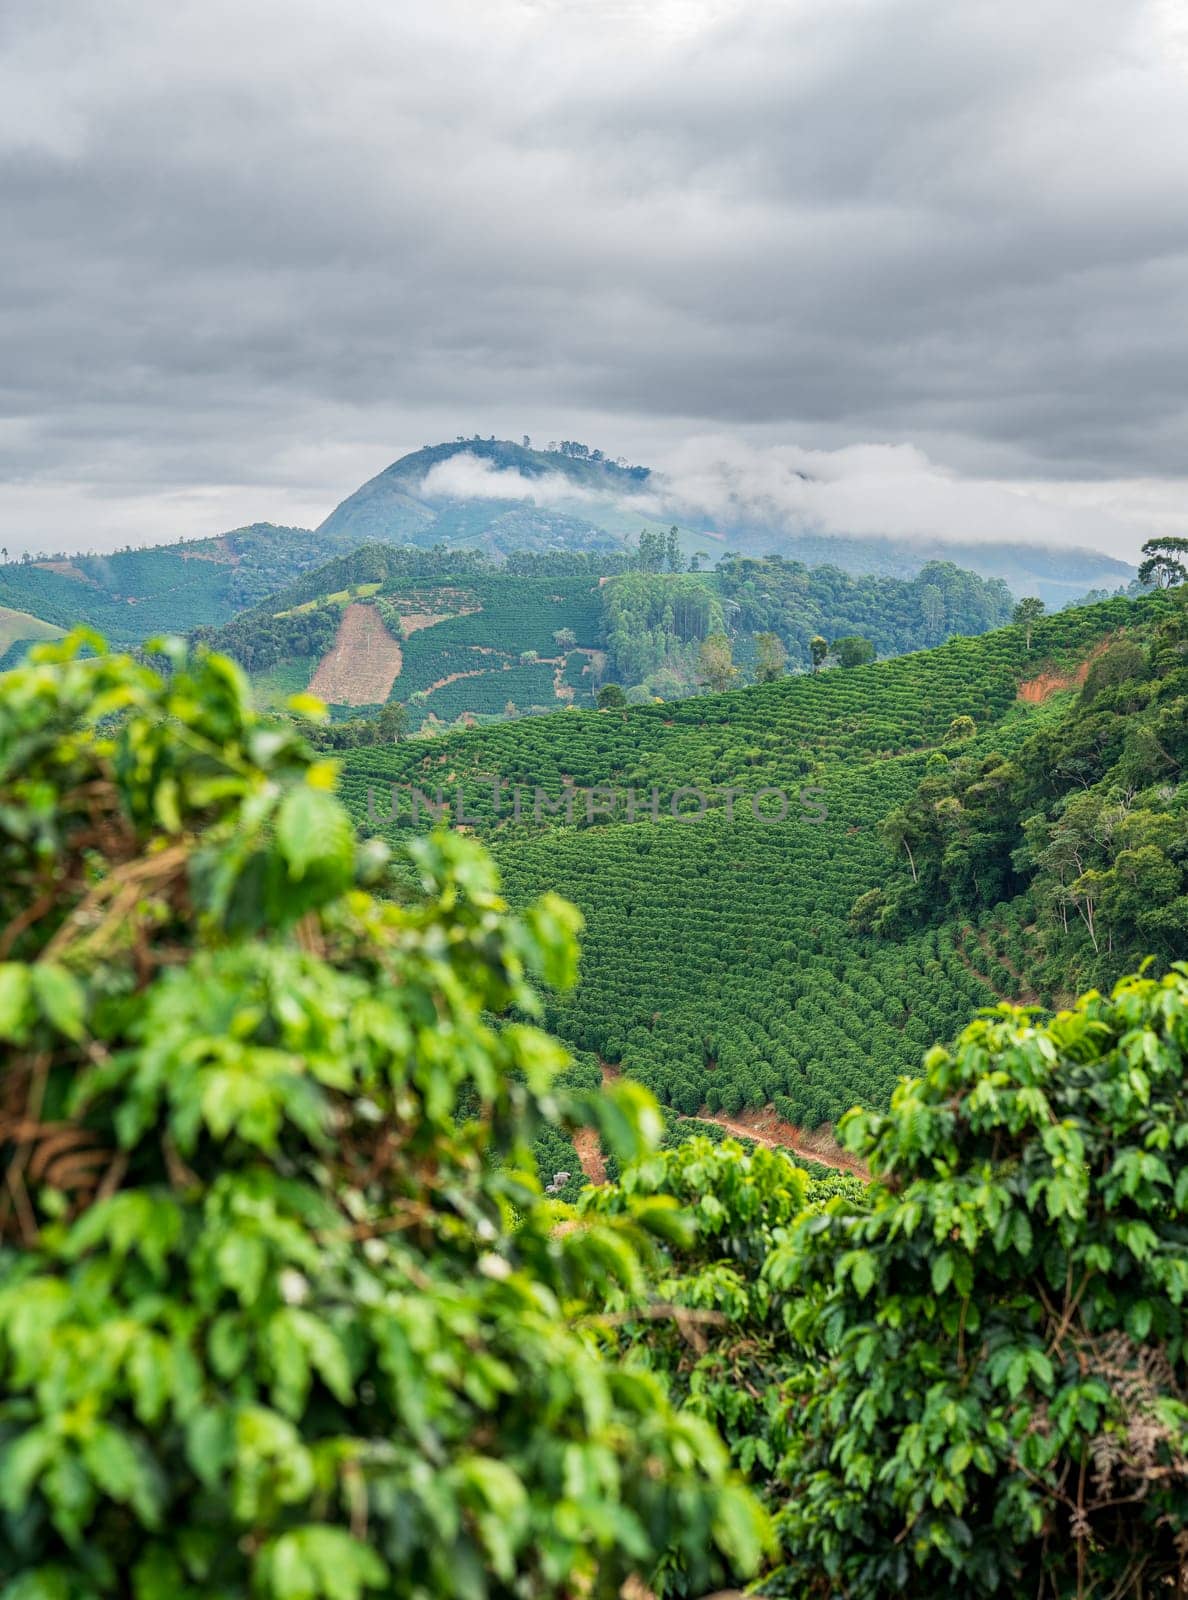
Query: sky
[[933, 255]]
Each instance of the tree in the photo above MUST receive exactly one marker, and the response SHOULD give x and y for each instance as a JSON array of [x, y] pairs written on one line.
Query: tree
[[900, 831], [610, 696], [565, 638], [854, 651], [652, 551], [963, 727], [818, 650], [1166, 562], [393, 722], [1026, 614], [986, 1392], [282, 1310], [672, 550], [715, 662], [770, 657], [932, 609]]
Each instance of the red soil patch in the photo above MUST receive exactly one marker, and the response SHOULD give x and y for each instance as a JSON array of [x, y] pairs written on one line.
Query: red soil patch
[[362, 664], [1034, 691], [765, 1128], [589, 1154]]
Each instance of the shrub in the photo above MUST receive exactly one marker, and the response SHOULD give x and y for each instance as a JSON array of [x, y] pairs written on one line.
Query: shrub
[[283, 1312], [993, 1391]]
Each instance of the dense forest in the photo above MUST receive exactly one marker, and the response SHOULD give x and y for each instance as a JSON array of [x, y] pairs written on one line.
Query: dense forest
[[798, 602], [1086, 821], [293, 1305], [654, 624]]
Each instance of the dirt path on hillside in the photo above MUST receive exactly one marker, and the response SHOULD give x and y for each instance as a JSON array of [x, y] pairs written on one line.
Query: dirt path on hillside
[[765, 1128], [362, 664], [414, 621], [761, 1127], [589, 1154]]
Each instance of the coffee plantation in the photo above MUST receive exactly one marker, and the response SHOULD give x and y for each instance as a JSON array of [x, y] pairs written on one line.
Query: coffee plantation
[[304, 1292]]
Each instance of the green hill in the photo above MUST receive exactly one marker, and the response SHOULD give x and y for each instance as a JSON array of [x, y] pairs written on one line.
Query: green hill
[[450, 635], [18, 630], [398, 506], [132, 594], [722, 965]]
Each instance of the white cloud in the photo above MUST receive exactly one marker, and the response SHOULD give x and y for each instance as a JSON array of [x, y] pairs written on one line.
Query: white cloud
[[247, 230], [895, 490], [469, 477]]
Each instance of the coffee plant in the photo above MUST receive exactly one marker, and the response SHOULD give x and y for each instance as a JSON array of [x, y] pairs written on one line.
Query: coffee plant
[[283, 1310]]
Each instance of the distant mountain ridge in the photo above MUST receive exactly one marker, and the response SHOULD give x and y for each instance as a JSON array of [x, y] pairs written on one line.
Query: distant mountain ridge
[[490, 497], [400, 506]]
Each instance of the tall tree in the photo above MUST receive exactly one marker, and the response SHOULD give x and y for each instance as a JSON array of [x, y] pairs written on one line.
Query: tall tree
[[716, 663], [932, 609], [771, 658], [818, 650], [1026, 614], [672, 550], [1166, 562], [393, 722]]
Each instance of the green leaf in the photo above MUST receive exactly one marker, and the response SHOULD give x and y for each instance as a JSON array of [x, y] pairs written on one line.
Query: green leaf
[[16, 1001], [313, 829], [942, 1272], [60, 997], [319, 1563]]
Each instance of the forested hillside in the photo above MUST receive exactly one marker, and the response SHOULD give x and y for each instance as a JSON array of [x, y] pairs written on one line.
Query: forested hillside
[[722, 964], [464, 638], [130, 595], [476, 498], [1084, 829], [896, 615], [478, 494]]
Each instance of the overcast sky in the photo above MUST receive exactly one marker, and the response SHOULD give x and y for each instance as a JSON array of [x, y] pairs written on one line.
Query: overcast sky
[[251, 252]]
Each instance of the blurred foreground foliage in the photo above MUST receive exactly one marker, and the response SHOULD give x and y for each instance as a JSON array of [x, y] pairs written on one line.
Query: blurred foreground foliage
[[283, 1311]]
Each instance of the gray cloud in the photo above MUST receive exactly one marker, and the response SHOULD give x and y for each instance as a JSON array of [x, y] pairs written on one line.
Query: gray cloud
[[254, 250]]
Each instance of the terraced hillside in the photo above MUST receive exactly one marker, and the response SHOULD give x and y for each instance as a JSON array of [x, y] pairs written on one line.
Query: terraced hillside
[[721, 964], [468, 647]]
